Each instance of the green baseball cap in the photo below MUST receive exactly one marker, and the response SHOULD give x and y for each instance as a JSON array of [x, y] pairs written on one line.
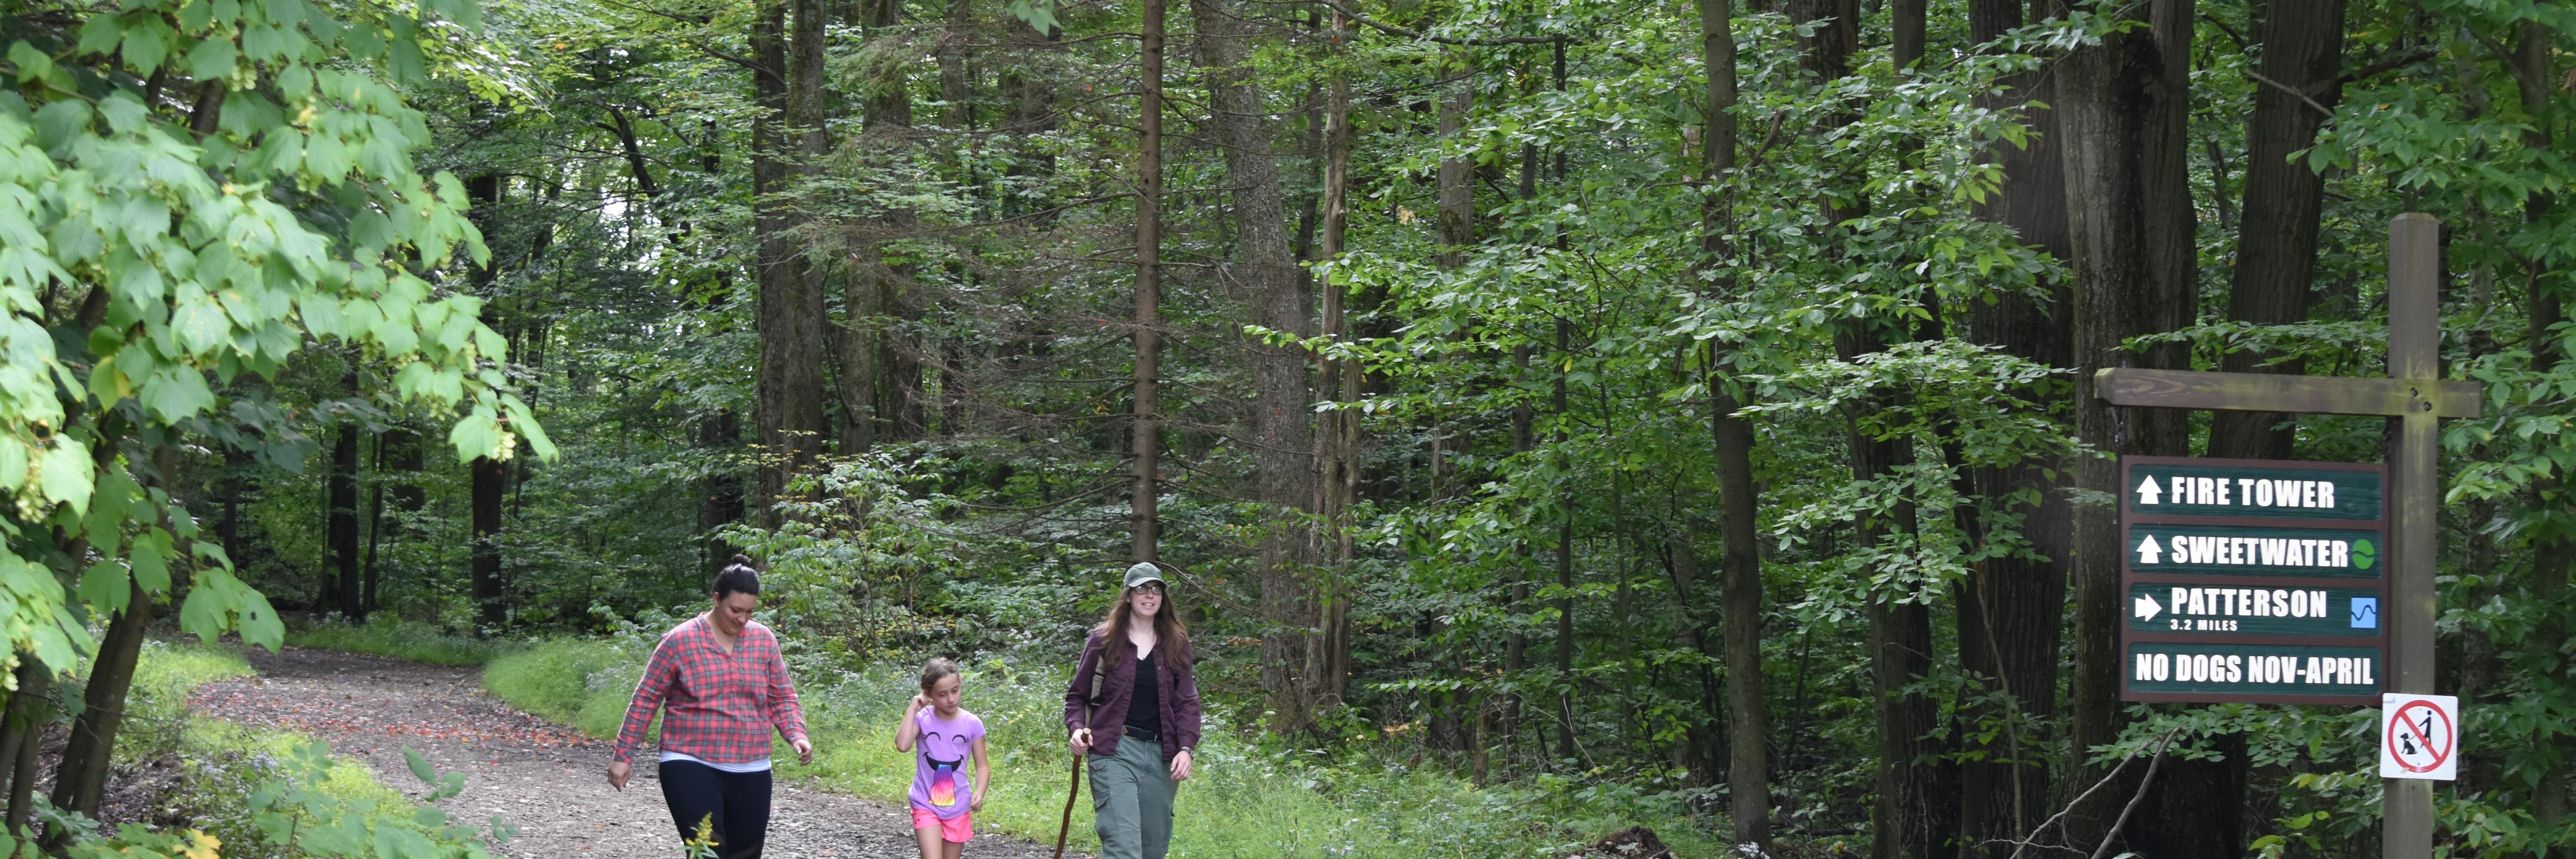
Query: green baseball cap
[[1142, 572]]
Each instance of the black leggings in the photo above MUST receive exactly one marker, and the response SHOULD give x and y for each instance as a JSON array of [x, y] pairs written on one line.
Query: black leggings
[[738, 802]]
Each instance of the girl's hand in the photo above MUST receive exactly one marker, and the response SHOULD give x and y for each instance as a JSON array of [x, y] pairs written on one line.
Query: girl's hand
[[976, 807], [1181, 766], [1081, 742], [918, 702]]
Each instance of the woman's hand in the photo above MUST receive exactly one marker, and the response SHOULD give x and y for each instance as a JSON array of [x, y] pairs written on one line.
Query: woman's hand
[[1081, 741], [1181, 766], [617, 772], [804, 750]]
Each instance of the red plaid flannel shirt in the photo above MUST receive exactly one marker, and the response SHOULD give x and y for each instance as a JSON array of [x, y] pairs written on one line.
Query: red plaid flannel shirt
[[718, 706]]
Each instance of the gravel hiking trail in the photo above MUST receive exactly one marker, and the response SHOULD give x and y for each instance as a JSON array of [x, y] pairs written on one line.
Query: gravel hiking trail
[[547, 779]]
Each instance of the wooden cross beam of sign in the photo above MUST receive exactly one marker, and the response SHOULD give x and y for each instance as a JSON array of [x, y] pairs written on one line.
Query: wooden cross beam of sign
[[2415, 398]]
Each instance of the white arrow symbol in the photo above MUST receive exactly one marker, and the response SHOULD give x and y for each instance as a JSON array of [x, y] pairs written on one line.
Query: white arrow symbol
[[2147, 608], [2149, 552], [2149, 492]]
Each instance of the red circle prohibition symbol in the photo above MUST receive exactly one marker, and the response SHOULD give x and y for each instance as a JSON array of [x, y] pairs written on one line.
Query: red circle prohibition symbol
[[2401, 721]]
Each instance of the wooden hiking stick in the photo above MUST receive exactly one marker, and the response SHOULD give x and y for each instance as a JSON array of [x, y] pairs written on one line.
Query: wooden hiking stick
[[1067, 825]]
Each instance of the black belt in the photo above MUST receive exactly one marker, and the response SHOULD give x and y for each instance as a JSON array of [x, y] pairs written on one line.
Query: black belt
[[1140, 733]]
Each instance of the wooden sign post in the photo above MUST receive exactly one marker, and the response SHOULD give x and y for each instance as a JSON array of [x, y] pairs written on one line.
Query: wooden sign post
[[2414, 398]]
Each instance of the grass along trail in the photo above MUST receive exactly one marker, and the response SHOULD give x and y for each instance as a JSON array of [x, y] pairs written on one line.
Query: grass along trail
[[547, 780]]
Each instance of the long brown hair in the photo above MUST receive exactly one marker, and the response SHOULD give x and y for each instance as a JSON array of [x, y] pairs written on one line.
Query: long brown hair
[[1173, 634]]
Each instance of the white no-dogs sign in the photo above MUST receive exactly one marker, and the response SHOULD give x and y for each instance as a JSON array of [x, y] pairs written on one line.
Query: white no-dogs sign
[[2419, 736]]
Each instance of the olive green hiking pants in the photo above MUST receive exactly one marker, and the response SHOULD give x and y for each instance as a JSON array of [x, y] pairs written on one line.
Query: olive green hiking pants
[[1131, 801]]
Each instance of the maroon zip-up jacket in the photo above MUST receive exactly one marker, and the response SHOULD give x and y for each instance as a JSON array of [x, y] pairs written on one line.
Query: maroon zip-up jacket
[[1179, 695]]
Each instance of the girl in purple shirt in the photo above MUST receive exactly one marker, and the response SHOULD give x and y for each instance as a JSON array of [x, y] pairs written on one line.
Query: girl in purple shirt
[[942, 735]]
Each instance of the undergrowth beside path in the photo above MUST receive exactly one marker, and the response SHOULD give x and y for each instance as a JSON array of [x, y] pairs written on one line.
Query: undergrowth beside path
[[223, 768]]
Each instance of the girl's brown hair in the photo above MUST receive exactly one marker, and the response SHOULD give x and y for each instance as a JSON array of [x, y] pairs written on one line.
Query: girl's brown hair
[[1167, 624], [937, 669]]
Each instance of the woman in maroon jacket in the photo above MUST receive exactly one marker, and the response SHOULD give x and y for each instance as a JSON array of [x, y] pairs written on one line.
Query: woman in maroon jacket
[[1140, 722]]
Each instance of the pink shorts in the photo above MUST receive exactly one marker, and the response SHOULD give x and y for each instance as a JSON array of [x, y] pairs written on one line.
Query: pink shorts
[[955, 830]]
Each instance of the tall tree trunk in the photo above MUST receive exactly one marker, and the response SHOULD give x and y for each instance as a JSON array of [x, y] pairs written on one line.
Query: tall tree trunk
[[1914, 811], [2125, 105], [2553, 554], [2276, 240], [1565, 742], [2276, 251], [239, 485], [720, 492], [81, 778], [340, 537], [24, 726], [1145, 431], [788, 410], [1457, 219], [375, 530], [488, 479], [1338, 438], [1748, 774], [1266, 276], [1911, 819], [1456, 223], [2011, 609]]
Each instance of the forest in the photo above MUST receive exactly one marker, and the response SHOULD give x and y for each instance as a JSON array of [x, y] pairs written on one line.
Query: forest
[[1612, 413]]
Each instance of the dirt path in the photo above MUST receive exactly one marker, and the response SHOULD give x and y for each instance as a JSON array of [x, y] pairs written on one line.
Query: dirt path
[[546, 779]]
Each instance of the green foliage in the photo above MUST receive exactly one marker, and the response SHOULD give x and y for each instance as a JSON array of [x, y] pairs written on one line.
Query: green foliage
[[156, 257], [389, 636], [582, 682]]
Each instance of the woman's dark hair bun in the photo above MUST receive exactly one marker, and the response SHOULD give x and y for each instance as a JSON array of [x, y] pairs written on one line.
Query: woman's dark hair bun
[[738, 578]]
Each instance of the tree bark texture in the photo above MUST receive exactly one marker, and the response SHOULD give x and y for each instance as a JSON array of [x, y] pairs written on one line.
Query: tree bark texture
[[1265, 277], [788, 410], [1457, 220], [2011, 609], [720, 492], [25, 723], [2276, 240], [1338, 436], [490, 484], [2123, 105], [488, 479], [81, 778], [1916, 808], [1145, 429], [340, 534], [1740, 564]]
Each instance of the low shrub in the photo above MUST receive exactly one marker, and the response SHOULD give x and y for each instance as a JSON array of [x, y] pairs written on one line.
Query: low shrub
[[389, 636], [256, 794]]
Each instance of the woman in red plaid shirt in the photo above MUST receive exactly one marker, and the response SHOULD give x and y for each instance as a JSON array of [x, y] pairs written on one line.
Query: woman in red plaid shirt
[[721, 686]]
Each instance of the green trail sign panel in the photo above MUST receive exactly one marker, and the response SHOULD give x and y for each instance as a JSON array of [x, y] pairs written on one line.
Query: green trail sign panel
[[2252, 580], [2242, 488], [2256, 673], [2238, 550], [2305, 612]]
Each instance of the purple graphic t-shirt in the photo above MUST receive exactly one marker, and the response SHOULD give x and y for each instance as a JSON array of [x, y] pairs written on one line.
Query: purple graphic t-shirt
[[939, 783]]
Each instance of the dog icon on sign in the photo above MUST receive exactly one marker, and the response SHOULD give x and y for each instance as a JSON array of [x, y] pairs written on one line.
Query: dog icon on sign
[[2365, 612]]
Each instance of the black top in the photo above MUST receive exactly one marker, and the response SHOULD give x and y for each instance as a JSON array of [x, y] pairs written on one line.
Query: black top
[[1145, 705]]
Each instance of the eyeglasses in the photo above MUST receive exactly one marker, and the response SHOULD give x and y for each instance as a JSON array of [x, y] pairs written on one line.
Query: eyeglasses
[[1149, 588]]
